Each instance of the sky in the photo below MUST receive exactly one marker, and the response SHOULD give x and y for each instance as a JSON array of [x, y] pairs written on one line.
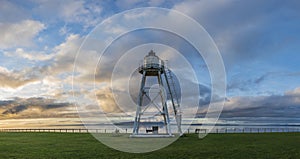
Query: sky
[[258, 41]]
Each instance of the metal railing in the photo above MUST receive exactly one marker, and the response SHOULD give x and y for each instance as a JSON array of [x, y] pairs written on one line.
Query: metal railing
[[66, 130], [243, 130], [188, 131]]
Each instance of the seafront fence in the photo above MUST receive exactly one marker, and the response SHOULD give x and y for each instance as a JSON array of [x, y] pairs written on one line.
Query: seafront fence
[[188, 131]]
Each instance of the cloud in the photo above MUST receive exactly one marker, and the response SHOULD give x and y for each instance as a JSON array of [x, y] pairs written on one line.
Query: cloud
[[45, 77], [106, 101], [32, 56], [285, 105], [155, 2], [35, 107], [83, 12], [295, 92], [19, 34], [244, 31], [131, 4], [10, 12], [15, 79], [238, 82], [127, 4], [62, 57], [65, 54]]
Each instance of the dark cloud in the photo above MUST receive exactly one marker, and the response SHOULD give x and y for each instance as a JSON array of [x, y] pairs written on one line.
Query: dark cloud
[[247, 84], [274, 74], [35, 107], [246, 30], [14, 110], [286, 105], [242, 85]]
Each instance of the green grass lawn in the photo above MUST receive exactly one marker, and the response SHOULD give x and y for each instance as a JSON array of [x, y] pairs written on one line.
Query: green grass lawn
[[68, 145]]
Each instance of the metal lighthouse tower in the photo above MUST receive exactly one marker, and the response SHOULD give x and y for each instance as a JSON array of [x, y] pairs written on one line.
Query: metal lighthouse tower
[[153, 66]]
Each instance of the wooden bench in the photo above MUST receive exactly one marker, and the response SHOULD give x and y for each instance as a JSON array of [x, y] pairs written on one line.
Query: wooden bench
[[149, 130]]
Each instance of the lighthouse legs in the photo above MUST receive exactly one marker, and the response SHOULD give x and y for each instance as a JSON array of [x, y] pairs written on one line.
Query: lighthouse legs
[[140, 102], [164, 104], [163, 109]]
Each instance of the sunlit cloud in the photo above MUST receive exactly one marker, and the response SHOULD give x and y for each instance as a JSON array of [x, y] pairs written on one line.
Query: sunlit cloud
[[15, 79], [19, 34], [33, 56]]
